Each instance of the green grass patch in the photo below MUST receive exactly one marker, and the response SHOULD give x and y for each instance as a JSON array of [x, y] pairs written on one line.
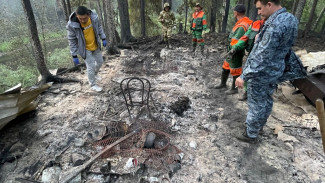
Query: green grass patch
[[59, 58], [25, 75]]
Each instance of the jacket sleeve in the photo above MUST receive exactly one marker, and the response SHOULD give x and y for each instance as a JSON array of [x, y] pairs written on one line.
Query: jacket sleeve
[[237, 35], [242, 42], [160, 18], [204, 22], [261, 57], [73, 41], [101, 32]]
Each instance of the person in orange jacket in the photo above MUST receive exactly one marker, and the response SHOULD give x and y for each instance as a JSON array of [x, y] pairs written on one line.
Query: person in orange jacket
[[198, 27], [233, 65]]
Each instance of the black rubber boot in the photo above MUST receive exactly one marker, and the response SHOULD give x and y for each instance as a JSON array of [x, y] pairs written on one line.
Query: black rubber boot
[[224, 77], [243, 97], [194, 48], [202, 49], [233, 88]]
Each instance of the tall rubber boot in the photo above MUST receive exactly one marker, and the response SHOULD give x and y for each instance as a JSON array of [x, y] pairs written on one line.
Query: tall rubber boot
[[243, 97], [224, 77], [202, 49], [194, 48], [233, 88]]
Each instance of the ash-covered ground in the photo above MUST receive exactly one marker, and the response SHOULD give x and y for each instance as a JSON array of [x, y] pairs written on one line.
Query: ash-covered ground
[[70, 118]]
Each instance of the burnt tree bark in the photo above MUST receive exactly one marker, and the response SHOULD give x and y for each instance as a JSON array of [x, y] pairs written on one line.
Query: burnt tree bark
[[143, 18], [65, 10], [186, 15], [311, 18], [319, 18], [110, 27], [213, 16], [123, 7], [225, 18], [300, 9]]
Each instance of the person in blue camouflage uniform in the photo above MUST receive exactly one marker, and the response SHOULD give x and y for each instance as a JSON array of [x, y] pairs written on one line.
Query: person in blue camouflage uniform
[[265, 64]]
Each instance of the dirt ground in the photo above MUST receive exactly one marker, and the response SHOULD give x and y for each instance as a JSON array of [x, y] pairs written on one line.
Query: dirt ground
[[69, 118]]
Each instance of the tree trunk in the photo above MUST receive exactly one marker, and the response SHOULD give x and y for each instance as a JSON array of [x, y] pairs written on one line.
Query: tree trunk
[[186, 15], [225, 18], [294, 6], [323, 29], [311, 18], [100, 13], [110, 27], [252, 11], [213, 16], [69, 7], [123, 7], [300, 9], [65, 10], [248, 8], [56, 13], [91, 4], [318, 19], [143, 18], [41, 66]]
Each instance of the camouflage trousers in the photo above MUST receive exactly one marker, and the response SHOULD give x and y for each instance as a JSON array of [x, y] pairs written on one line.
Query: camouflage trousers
[[260, 103], [167, 32]]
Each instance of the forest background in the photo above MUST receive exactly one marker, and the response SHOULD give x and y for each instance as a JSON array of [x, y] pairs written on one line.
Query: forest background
[[17, 56]]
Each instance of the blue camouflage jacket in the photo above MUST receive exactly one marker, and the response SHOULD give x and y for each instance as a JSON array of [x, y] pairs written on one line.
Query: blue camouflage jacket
[[266, 64]]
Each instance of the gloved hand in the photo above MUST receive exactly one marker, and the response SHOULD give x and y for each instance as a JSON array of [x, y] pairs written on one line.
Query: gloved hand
[[76, 61], [230, 54], [104, 42], [203, 33]]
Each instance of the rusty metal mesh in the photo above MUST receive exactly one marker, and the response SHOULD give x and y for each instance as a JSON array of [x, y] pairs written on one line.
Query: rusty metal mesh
[[160, 156]]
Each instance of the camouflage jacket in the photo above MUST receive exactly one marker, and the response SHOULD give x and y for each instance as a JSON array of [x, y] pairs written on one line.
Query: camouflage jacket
[[266, 62], [166, 18]]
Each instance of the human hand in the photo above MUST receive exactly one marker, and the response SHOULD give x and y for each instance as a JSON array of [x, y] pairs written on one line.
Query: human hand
[[239, 83], [104, 42]]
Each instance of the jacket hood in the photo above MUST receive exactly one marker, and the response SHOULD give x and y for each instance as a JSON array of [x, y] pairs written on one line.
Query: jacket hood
[[74, 22]]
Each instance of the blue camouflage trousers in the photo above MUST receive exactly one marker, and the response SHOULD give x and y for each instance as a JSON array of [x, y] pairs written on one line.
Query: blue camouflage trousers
[[260, 103]]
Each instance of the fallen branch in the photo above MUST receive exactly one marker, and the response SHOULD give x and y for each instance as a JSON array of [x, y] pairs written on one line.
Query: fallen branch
[[66, 177], [74, 68]]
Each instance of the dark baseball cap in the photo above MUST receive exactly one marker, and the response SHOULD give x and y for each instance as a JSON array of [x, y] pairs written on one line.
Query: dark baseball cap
[[240, 8]]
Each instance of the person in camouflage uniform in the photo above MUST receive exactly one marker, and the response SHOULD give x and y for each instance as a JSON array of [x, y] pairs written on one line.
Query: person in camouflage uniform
[[233, 65], [167, 19], [247, 42], [266, 64], [198, 27]]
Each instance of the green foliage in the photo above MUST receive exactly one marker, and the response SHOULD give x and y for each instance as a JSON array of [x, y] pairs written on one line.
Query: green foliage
[[6, 46], [59, 58], [24, 74]]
